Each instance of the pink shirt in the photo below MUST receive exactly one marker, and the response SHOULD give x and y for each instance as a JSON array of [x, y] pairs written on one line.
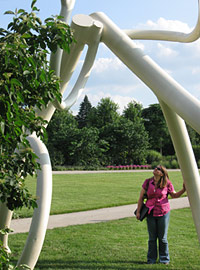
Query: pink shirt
[[158, 197]]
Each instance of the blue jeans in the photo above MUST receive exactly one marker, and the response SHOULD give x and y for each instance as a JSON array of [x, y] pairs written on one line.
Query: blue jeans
[[158, 228]]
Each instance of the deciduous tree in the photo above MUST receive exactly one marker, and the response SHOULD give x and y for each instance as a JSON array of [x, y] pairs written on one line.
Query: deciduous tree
[[133, 112], [157, 129], [62, 133], [26, 83], [105, 113]]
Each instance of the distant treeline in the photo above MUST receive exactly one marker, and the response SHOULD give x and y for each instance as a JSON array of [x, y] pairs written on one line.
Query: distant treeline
[[100, 136]]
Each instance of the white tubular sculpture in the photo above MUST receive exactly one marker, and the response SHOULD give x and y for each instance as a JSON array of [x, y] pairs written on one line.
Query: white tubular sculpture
[[162, 84], [167, 35], [5, 220], [40, 218], [177, 104], [55, 61], [86, 31], [186, 159]]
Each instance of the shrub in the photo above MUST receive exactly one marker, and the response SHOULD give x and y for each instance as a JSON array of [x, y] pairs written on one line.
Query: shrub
[[174, 164], [166, 164], [153, 157]]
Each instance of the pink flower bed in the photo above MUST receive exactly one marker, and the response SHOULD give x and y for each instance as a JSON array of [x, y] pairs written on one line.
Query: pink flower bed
[[129, 167]]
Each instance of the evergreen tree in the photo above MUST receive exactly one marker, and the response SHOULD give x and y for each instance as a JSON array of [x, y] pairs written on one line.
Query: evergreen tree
[[83, 114]]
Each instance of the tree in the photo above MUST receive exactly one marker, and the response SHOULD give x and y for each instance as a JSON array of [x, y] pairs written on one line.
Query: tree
[[157, 129], [69, 145], [133, 112], [62, 132], [26, 83], [105, 113], [128, 142], [87, 150], [83, 114], [194, 136]]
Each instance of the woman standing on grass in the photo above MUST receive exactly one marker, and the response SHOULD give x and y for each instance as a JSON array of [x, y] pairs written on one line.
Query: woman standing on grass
[[157, 188]]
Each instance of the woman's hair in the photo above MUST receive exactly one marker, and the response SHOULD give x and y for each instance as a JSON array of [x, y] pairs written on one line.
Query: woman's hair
[[163, 180]]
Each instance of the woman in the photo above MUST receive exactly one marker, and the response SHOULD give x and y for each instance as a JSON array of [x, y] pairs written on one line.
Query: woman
[[157, 188]]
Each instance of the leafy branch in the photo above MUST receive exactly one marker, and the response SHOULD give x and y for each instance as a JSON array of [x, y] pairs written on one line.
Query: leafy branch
[[26, 83]]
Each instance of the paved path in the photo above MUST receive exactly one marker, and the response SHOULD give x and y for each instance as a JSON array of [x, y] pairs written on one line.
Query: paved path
[[92, 216], [109, 171]]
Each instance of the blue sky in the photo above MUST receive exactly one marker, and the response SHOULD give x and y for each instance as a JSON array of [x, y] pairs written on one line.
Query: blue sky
[[110, 77]]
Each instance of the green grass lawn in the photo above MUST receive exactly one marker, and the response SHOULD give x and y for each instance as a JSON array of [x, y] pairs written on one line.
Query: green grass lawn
[[114, 245], [79, 192]]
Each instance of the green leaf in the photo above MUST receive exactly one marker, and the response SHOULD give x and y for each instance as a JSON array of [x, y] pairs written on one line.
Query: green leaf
[[26, 35], [9, 12], [59, 17], [20, 11], [49, 20], [33, 3], [39, 21], [35, 9], [15, 82]]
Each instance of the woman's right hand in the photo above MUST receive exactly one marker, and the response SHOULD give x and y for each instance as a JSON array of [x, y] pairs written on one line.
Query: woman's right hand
[[138, 215], [142, 192]]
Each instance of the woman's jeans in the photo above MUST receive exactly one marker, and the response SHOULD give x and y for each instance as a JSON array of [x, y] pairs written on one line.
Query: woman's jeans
[[158, 228]]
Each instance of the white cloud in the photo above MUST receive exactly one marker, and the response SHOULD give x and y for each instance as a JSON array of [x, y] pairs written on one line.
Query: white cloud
[[122, 101], [163, 24], [174, 25], [107, 64], [165, 51]]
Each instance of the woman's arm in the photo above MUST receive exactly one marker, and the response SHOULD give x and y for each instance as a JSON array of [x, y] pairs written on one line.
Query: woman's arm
[[140, 201], [179, 193]]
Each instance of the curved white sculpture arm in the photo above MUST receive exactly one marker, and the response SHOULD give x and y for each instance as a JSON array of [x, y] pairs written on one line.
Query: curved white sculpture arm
[[40, 218], [55, 60], [86, 31], [186, 160], [5, 220], [66, 9], [167, 35], [159, 81]]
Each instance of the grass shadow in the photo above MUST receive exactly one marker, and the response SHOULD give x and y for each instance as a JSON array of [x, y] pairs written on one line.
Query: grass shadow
[[90, 265]]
